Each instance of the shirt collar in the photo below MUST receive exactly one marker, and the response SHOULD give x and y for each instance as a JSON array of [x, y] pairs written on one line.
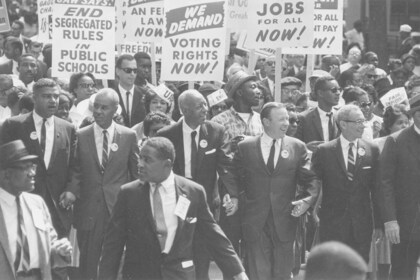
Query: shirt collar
[[236, 113], [7, 197], [38, 119], [100, 129], [167, 184], [345, 143], [267, 140], [187, 129], [122, 90], [322, 112]]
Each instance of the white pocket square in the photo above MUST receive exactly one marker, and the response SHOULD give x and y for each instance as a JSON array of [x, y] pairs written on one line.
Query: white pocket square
[[366, 167], [210, 152], [191, 220]]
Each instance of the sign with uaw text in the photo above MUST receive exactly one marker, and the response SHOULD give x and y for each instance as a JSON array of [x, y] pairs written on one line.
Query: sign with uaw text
[[194, 40], [84, 38], [142, 20], [328, 29], [45, 13], [280, 23]]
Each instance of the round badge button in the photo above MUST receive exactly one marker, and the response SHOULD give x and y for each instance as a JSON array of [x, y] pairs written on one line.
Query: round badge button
[[203, 144], [114, 147], [33, 135], [284, 154]]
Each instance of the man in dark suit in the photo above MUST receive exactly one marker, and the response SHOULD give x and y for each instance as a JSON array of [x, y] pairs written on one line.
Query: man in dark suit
[[161, 217], [400, 196], [269, 167], [317, 125], [12, 50], [200, 157], [131, 97], [106, 158], [347, 168], [53, 141]]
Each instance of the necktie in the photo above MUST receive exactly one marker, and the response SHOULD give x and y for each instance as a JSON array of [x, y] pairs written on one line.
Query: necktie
[[351, 163], [161, 229], [194, 152], [43, 135], [330, 126], [270, 161], [22, 260], [104, 150], [128, 106]]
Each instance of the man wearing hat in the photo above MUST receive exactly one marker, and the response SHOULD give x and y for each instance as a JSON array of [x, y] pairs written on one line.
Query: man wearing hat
[[28, 240], [406, 40], [131, 97], [290, 90], [399, 195]]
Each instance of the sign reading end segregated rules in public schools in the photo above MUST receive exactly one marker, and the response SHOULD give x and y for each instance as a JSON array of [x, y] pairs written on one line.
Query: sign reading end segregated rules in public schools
[[84, 38]]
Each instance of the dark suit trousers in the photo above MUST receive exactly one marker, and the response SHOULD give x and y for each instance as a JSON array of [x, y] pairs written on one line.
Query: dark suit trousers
[[404, 258], [90, 244], [269, 258]]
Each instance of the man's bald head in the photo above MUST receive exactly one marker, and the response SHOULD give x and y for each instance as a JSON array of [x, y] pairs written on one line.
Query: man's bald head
[[105, 107], [109, 94], [193, 106]]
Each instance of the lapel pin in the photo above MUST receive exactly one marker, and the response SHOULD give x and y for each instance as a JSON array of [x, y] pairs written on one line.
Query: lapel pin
[[33, 135], [203, 144], [285, 154], [114, 147], [361, 152]]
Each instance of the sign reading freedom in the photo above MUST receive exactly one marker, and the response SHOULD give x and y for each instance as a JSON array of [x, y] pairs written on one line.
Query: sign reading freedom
[[84, 38]]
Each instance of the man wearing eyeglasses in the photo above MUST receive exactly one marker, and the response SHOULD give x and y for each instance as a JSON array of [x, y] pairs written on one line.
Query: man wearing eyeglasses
[[131, 97], [347, 167]]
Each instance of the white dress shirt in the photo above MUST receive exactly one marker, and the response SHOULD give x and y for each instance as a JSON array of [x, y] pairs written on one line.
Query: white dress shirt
[[10, 215], [416, 129], [345, 148], [324, 123], [15, 70], [4, 113], [168, 196], [99, 138], [49, 140], [186, 133], [266, 143], [123, 93]]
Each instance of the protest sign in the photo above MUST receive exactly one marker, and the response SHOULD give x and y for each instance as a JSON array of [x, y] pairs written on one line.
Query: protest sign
[[142, 20], [394, 96], [237, 15], [84, 38], [328, 29], [133, 48], [4, 17], [280, 23], [45, 12], [216, 97], [194, 40], [163, 92]]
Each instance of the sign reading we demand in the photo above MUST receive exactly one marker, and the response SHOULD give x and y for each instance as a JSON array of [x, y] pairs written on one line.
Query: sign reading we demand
[[84, 38], [194, 40]]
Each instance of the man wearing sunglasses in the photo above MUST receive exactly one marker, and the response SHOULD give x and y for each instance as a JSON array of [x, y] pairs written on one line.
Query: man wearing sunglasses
[[131, 97], [347, 167]]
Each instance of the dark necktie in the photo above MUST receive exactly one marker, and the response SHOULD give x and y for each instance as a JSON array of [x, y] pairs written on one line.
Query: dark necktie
[[351, 162], [22, 260], [194, 152], [270, 161], [128, 106], [161, 229], [330, 126], [104, 150], [43, 136]]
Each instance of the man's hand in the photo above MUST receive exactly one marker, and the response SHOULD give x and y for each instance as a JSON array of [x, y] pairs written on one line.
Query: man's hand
[[376, 128], [392, 232], [63, 247], [230, 204], [312, 146], [300, 207], [378, 234], [240, 276], [67, 199]]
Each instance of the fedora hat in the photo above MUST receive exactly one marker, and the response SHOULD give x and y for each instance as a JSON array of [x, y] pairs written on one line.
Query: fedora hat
[[13, 153]]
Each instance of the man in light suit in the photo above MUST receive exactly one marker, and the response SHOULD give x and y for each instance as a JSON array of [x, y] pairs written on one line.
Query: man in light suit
[[28, 241], [269, 167], [347, 167], [106, 158], [156, 221], [131, 97], [400, 196], [317, 125], [202, 159]]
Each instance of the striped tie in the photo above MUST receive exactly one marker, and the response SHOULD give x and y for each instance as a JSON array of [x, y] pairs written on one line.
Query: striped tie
[[104, 151], [22, 260], [351, 162]]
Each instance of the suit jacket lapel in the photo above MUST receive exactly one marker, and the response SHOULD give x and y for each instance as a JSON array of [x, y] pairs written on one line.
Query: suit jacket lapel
[[179, 192], [414, 145], [148, 208], [283, 147], [360, 156], [123, 109], [93, 145], [201, 150], [260, 156], [58, 137], [316, 120], [116, 140], [339, 154], [4, 241], [179, 148], [136, 102], [34, 146]]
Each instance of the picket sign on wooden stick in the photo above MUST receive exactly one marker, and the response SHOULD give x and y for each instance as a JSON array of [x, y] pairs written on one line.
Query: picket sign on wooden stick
[[277, 83], [190, 84], [253, 57], [153, 58], [310, 66]]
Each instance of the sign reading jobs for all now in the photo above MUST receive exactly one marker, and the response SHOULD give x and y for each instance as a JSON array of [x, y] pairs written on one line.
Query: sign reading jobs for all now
[[84, 38]]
